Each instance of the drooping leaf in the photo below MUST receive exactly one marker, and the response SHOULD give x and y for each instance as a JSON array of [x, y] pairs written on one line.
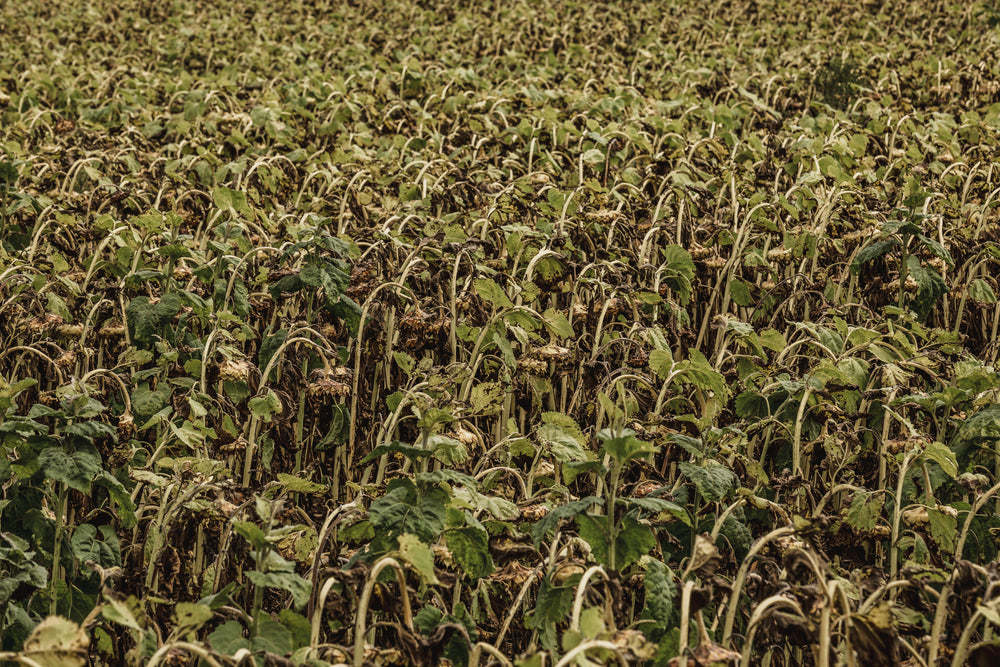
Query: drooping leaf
[[418, 555], [470, 548], [660, 593]]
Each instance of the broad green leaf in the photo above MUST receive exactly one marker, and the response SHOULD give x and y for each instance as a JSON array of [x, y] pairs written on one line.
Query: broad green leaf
[[625, 446], [633, 541], [552, 605], [228, 638], [490, 292], [980, 290], [712, 480], [299, 587], [660, 593], [447, 450], [293, 484], [943, 528], [563, 445], [487, 398], [558, 324], [944, 457], [550, 522], [865, 510], [76, 470], [470, 547], [190, 616], [873, 251], [418, 555], [146, 320], [57, 642], [265, 407]]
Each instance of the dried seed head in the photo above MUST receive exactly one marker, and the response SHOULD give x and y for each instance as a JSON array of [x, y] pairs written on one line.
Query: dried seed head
[[779, 254], [533, 366], [645, 488], [69, 330], [552, 353], [66, 359], [442, 556], [563, 573], [915, 516], [112, 330], [534, 512], [329, 382], [45, 323], [465, 436], [126, 427], [972, 481], [235, 370], [227, 508], [699, 252], [604, 215]]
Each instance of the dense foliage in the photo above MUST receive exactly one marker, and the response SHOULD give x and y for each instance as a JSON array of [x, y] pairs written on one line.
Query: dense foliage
[[526, 332]]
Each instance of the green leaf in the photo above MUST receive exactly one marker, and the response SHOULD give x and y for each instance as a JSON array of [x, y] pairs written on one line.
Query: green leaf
[[232, 200], [562, 443], [558, 324], [127, 612], [872, 252], [980, 291], [410, 451], [487, 398], [293, 484], [930, 286], [594, 529], [738, 535], [943, 528], [228, 639], [418, 555], [265, 407], [552, 606], [470, 547], [865, 510], [272, 637], [712, 480], [299, 587], [944, 457], [660, 593], [633, 541], [447, 450], [625, 446], [752, 405], [119, 495], [405, 510], [190, 616], [76, 470], [146, 320], [490, 292], [252, 533], [677, 271], [550, 522]]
